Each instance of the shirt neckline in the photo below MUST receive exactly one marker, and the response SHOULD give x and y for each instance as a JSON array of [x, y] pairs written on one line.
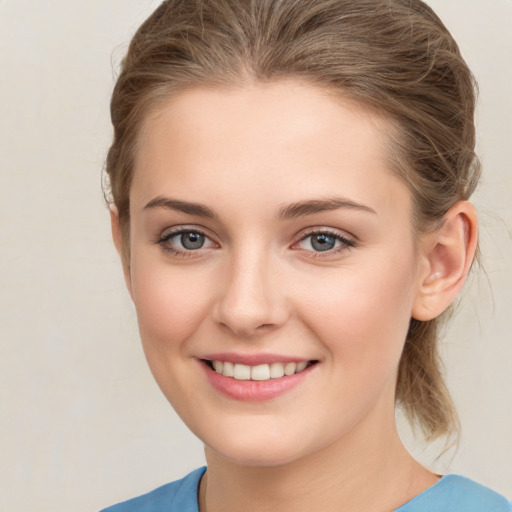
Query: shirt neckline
[[403, 508], [429, 490]]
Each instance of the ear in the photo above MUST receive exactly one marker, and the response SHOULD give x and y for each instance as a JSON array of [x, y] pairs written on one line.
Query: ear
[[119, 242], [445, 260]]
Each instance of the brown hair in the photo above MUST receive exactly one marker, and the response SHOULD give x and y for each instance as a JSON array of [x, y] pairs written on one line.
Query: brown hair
[[395, 56]]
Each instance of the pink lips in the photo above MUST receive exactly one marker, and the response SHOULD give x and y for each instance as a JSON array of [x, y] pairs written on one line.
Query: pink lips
[[251, 390]]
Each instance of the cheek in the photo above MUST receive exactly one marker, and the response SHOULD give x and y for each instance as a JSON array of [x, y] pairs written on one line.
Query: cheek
[[363, 316], [170, 303]]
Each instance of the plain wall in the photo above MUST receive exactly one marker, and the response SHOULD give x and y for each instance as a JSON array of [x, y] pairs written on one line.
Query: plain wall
[[82, 424]]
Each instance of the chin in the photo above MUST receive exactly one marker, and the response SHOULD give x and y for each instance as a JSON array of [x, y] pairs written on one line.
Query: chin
[[253, 450], [257, 458]]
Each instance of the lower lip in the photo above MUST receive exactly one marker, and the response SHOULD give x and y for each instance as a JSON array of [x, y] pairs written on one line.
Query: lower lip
[[254, 390]]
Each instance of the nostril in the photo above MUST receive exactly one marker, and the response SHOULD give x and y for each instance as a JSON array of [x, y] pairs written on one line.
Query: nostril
[[245, 328], [263, 326]]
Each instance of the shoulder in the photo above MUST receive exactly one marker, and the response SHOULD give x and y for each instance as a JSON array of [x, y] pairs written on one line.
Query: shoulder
[[178, 496], [455, 493]]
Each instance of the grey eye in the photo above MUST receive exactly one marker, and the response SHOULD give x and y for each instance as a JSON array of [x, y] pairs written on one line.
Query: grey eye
[[323, 242], [191, 240]]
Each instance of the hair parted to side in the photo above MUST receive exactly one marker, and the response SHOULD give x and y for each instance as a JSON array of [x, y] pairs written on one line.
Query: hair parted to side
[[395, 56]]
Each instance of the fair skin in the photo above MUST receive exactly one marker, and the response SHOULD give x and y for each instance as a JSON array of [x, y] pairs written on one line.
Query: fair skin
[[301, 249]]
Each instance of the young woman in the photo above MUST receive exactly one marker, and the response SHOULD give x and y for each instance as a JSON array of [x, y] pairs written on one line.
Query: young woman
[[289, 197]]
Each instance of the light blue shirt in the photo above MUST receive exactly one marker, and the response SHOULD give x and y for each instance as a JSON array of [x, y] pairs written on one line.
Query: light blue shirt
[[452, 493]]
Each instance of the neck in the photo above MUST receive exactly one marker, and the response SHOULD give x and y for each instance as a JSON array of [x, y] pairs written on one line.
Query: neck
[[369, 459]]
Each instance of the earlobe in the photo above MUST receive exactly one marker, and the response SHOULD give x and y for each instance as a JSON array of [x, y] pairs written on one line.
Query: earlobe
[[446, 258], [119, 243]]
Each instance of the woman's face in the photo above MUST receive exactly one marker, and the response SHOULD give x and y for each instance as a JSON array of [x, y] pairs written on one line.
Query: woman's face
[[266, 230]]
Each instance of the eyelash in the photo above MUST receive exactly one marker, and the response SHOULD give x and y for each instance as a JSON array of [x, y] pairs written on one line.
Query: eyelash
[[345, 243], [163, 241]]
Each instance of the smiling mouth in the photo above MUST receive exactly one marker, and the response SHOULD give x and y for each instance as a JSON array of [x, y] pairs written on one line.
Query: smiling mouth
[[261, 372]]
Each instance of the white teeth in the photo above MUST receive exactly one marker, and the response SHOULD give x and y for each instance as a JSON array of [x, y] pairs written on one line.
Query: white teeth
[[301, 366], [242, 372], [290, 368], [276, 370], [260, 372], [228, 369]]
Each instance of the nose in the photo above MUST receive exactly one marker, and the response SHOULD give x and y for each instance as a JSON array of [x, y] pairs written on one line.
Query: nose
[[253, 300]]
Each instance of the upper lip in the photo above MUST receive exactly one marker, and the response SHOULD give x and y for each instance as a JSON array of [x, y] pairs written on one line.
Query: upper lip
[[252, 359]]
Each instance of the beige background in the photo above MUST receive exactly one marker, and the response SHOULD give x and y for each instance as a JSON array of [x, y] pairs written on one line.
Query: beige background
[[82, 425]]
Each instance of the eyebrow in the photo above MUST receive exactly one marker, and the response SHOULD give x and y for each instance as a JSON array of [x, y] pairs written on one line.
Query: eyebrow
[[304, 208], [291, 211], [200, 210]]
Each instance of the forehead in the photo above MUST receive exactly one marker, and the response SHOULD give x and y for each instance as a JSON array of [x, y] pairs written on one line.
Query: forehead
[[267, 139]]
